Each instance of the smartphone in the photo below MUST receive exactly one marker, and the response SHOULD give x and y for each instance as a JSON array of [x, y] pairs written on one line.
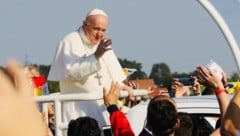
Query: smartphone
[[186, 81], [107, 130]]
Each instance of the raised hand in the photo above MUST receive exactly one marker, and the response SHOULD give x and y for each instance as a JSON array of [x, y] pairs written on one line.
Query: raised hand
[[19, 115], [111, 97], [103, 46]]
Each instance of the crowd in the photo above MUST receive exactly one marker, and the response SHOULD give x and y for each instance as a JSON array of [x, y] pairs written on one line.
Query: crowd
[[162, 115], [85, 63]]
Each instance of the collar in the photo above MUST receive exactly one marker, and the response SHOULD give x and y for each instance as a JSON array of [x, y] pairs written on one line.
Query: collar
[[84, 38]]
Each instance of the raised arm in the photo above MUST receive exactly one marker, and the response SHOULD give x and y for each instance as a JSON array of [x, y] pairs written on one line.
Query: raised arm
[[119, 123], [231, 121], [210, 79]]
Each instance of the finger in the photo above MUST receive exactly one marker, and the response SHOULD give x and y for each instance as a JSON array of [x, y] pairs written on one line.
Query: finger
[[112, 87], [203, 71], [22, 82], [107, 49], [6, 86], [130, 84], [137, 86], [117, 89], [107, 42], [199, 75], [133, 85], [104, 92]]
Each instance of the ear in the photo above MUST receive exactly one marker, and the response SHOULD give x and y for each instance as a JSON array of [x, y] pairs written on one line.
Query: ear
[[84, 23], [177, 125]]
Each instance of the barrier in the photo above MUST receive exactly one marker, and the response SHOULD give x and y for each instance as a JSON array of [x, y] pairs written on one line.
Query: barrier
[[58, 98]]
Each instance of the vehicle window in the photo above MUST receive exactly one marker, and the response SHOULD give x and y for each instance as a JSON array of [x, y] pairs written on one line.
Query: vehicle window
[[201, 126]]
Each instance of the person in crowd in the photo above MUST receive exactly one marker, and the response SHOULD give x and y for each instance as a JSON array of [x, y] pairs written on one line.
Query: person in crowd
[[229, 110], [186, 125], [211, 80], [208, 77], [51, 117], [83, 126], [84, 62], [230, 125], [162, 117], [211, 91], [179, 89], [119, 123], [38, 80], [20, 116]]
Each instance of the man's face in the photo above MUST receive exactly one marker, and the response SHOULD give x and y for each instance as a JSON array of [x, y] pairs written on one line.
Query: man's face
[[95, 28]]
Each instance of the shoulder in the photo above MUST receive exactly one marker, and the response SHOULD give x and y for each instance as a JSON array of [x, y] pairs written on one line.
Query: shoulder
[[72, 35], [72, 38]]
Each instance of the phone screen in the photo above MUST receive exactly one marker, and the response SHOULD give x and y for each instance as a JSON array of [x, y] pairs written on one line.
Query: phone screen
[[107, 131]]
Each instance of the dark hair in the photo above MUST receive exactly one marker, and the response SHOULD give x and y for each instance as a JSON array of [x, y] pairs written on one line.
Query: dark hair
[[201, 127], [186, 125], [161, 117], [83, 126]]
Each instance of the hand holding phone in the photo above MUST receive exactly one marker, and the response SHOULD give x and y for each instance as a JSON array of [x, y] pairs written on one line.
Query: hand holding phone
[[186, 81]]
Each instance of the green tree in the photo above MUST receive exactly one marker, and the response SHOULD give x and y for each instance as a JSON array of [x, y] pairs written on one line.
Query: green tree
[[44, 69], [161, 74], [53, 86], [234, 77], [139, 74]]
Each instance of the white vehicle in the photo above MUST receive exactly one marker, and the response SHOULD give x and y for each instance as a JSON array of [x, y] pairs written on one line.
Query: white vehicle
[[203, 109]]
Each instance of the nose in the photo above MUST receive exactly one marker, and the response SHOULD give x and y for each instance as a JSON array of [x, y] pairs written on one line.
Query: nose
[[100, 34]]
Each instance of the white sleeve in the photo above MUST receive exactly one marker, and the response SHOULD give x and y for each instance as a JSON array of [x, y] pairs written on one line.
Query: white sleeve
[[83, 67], [71, 61]]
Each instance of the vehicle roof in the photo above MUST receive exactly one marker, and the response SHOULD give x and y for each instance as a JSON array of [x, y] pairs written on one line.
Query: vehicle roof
[[206, 104], [198, 104]]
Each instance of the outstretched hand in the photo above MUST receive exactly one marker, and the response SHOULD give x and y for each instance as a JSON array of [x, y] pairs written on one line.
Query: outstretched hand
[[111, 97], [19, 115]]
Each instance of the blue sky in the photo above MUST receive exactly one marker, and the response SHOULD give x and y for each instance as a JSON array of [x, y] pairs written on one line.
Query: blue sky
[[179, 33]]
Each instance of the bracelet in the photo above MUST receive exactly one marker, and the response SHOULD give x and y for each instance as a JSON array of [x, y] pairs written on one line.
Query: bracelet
[[220, 91]]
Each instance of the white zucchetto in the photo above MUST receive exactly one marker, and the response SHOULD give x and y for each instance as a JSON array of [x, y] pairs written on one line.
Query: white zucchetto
[[96, 12]]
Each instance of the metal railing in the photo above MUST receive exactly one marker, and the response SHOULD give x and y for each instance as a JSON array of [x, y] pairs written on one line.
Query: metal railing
[[58, 99]]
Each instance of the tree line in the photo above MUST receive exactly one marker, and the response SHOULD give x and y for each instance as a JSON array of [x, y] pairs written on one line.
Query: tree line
[[160, 73]]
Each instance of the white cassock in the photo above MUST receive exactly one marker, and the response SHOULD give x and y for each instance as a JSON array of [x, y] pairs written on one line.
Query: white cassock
[[78, 71]]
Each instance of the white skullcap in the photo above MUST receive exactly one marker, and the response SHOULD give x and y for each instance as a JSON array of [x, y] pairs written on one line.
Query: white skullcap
[[97, 12]]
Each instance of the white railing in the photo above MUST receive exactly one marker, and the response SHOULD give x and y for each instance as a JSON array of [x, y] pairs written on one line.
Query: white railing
[[58, 98]]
